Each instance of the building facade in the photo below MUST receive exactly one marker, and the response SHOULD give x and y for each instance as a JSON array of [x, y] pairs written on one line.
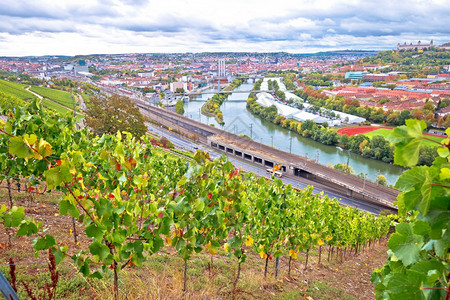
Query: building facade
[[418, 46]]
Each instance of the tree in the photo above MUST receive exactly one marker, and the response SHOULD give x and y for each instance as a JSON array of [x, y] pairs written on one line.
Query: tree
[[280, 94], [429, 106], [116, 113], [404, 115], [381, 180], [179, 107]]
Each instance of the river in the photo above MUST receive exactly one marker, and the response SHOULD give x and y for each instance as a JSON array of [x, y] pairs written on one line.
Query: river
[[239, 120]]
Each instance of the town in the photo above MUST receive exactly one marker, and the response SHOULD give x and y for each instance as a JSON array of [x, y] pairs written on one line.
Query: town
[[352, 75], [149, 160]]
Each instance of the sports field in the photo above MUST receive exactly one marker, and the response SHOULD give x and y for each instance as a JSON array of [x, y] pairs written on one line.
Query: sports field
[[371, 131]]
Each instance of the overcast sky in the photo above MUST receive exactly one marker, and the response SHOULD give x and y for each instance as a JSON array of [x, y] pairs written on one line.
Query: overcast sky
[[71, 27]]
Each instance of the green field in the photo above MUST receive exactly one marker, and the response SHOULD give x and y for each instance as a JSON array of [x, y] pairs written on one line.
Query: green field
[[385, 132], [15, 89], [61, 97], [85, 97], [55, 106]]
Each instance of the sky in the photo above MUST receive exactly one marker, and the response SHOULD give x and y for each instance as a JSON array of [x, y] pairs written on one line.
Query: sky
[[75, 27]]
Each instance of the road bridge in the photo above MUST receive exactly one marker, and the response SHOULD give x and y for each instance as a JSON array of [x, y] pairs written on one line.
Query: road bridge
[[231, 92], [266, 156]]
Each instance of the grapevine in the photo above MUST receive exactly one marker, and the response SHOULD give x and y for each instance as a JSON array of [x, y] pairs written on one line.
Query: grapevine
[[419, 261], [132, 201]]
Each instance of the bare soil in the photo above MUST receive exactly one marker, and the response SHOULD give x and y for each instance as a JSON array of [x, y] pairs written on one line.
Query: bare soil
[[161, 278]]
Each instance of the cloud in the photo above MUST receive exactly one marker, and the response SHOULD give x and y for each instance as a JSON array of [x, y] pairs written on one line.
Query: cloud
[[112, 26]]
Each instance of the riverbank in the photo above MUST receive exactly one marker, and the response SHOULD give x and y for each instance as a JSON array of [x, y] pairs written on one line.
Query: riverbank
[[377, 147], [211, 108], [239, 120]]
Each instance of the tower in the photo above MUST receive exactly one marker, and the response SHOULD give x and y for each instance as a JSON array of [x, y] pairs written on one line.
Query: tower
[[221, 68]]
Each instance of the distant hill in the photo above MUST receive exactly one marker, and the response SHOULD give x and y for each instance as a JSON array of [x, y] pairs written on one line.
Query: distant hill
[[342, 52]]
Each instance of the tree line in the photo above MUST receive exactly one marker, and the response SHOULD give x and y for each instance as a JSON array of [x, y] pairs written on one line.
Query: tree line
[[376, 148], [212, 106]]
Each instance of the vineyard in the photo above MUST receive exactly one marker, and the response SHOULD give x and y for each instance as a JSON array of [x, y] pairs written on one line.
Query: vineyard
[[133, 202], [130, 203], [15, 89], [61, 97], [58, 108], [9, 101]]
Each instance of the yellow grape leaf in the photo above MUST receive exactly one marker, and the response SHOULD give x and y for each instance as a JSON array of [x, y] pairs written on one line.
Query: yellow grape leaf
[[249, 241], [329, 238], [210, 248], [30, 139], [262, 254], [293, 254], [226, 247], [320, 242], [169, 241], [70, 231], [44, 148], [100, 176]]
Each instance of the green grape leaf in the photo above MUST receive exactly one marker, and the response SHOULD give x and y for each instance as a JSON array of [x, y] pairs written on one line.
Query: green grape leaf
[[64, 206], [405, 244], [424, 204], [158, 243], [27, 228], [407, 155], [410, 178], [421, 227], [119, 236], [400, 287], [96, 275], [97, 248], [430, 270], [94, 232], [407, 140], [408, 200], [442, 246], [59, 254], [58, 175], [43, 243], [19, 148], [14, 216]]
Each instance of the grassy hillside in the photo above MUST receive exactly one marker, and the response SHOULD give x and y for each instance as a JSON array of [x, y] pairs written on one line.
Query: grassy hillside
[[15, 89], [58, 108], [61, 97]]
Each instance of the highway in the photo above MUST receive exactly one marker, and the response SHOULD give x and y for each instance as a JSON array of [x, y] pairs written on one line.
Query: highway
[[297, 182]]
